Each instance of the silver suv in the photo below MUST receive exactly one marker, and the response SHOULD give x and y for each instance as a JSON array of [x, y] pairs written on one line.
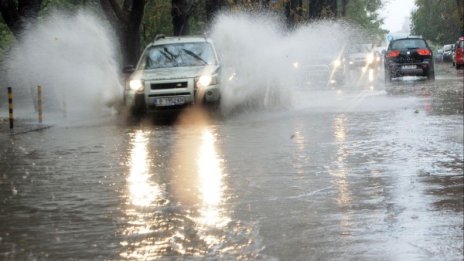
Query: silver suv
[[174, 72]]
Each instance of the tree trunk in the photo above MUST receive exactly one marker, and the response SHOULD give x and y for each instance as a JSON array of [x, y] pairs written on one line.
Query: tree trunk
[[343, 7], [132, 33], [19, 16], [212, 7], [320, 9], [180, 13], [126, 22], [460, 5], [293, 12], [315, 9]]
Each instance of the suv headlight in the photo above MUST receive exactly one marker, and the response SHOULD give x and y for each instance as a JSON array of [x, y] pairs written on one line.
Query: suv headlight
[[136, 85], [206, 80]]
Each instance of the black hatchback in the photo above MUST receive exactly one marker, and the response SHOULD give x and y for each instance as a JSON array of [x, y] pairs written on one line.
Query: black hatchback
[[409, 56]]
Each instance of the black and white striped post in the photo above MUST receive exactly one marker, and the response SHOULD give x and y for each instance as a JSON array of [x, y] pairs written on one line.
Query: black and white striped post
[[10, 106]]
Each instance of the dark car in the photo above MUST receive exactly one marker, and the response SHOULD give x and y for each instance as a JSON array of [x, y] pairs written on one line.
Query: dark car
[[409, 56], [448, 53]]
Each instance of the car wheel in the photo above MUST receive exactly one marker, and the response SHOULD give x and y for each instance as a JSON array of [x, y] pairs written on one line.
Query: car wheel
[[388, 77], [139, 108], [431, 75]]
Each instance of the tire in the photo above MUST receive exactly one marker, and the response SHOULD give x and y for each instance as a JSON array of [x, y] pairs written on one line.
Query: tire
[[139, 109], [431, 75], [388, 77]]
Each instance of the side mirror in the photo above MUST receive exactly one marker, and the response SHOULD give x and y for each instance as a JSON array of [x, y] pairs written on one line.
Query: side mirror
[[128, 69], [384, 52]]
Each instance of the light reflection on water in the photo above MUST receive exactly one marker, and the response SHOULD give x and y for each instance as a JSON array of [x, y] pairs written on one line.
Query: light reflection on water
[[142, 192], [300, 157], [199, 181], [183, 216], [340, 172], [210, 174]]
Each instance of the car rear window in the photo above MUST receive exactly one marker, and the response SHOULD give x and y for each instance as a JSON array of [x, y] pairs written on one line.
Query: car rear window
[[408, 44], [461, 44]]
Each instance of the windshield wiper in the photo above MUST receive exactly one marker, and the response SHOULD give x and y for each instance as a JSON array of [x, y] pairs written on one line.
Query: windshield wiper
[[194, 55], [169, 56]]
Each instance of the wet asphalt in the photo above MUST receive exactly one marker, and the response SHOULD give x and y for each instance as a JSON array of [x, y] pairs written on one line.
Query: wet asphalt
[[369, 172]]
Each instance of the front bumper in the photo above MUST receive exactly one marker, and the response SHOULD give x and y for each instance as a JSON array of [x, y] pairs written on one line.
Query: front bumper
[[170, 94], [410, 69]]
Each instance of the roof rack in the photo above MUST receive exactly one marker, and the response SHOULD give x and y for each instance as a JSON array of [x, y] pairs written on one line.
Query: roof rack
[[159, 36]]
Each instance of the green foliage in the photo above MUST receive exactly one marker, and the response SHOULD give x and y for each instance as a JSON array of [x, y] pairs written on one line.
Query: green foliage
[[363, 13], [157, 19], [437, 21], [50, 5], [6, 39], [198, 18]]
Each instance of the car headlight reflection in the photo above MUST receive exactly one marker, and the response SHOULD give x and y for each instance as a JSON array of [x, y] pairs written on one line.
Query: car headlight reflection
[[337, 63], [296, 65], [136, 85], [370, 58], [206, 80]]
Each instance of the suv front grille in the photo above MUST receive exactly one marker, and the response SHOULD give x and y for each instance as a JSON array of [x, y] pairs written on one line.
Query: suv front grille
[[168, 85]]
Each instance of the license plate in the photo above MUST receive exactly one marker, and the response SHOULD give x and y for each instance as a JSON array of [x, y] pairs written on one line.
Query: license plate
[[408, 67], [169, 101]]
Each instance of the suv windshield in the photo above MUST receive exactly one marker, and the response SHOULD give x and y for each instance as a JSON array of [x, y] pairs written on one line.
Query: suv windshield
[[179, 55], [408, 44]]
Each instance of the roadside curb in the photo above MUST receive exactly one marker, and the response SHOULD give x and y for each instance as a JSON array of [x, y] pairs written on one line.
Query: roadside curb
[[21, 126]]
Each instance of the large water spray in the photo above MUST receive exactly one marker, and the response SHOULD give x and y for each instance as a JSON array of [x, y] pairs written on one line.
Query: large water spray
[[73, 57], [261, 57]]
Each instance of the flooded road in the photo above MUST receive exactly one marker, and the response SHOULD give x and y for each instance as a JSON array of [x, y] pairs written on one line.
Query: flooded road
[[360, 174]]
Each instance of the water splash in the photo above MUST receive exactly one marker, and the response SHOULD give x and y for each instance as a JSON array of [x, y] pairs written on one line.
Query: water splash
[[261, 57], [73, 57]]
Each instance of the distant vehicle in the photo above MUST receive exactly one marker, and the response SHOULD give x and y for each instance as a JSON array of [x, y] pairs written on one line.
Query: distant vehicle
[[439, 55], [362, 56], [448, 53], [409, 56], [458, 56], [322, 70], [173, 72]]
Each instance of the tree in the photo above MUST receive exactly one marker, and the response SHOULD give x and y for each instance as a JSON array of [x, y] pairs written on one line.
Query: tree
[[363, 13], [321, 9], [212, 7], [19, 14], [126, 20], [180, 13], [460, 9], [437, 21]]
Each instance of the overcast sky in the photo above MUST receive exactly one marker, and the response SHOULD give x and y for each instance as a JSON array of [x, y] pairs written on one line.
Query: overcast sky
[[396, 13]]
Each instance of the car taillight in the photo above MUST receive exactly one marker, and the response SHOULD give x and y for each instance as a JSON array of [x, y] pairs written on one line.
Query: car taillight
[[393, 53], [423, 52]]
